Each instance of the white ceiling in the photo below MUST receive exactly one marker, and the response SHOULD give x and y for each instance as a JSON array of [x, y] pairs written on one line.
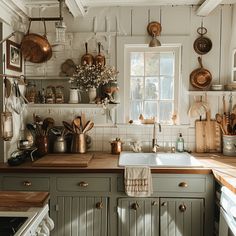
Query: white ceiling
[[80, 7]]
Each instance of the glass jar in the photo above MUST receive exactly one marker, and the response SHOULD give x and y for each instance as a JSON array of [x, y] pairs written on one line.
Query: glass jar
[[31, 92], [59, 94], [6, 126], [50, 95]]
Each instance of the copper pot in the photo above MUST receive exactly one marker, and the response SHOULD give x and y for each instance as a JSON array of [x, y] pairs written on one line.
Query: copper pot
[[36, 48], [200, 78], [100, 59], [87, 59], [116, 146]]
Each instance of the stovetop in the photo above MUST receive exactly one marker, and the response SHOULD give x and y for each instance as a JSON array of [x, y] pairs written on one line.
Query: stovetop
[[10, 225]]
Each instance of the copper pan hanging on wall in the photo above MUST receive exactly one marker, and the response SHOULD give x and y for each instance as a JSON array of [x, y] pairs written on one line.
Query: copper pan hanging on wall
[[36, 48], [202, 44], [200, 78]]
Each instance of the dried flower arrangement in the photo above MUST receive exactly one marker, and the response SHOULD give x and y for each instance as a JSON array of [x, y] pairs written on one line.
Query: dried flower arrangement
[[91, 76]]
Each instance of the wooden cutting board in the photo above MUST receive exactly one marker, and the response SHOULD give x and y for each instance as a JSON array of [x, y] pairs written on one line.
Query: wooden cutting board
[[64, 160], [208, 135], [23, 199]]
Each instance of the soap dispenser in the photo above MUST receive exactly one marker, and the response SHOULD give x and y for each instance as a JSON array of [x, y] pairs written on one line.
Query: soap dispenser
[[180, 143]]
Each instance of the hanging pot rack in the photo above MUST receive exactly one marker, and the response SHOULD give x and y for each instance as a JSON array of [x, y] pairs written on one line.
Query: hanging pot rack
[[60, 18]]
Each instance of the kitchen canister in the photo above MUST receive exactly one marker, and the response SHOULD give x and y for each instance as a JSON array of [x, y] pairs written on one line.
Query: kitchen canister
[[229, 145], [60, 145]]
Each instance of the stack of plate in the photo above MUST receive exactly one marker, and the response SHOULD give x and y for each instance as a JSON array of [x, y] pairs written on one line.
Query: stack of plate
[[230, 87]]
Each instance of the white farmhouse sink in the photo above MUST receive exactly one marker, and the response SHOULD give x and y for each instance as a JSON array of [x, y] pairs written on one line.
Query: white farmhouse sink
[[158, 159]]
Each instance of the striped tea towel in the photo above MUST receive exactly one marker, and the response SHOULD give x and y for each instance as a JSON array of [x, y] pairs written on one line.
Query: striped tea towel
[[138, 181]]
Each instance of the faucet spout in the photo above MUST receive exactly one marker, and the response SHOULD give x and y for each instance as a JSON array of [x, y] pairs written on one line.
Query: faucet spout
[[155, 146]]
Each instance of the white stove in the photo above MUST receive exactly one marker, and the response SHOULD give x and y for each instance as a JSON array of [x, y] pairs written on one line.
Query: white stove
[[227, 213], [33, 222]]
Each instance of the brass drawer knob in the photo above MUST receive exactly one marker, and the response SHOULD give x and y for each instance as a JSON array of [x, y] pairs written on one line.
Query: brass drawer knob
[[182, 208], [83, 184], [135, 206], [99, 205], [183, 185], [27, 183], [164, 204]]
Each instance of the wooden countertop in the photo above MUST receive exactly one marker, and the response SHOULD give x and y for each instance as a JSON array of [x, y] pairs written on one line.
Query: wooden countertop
[[23, 199], [222, 167]]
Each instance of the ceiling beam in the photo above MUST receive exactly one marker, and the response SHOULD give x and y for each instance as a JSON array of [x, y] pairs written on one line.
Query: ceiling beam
[[207, 7], [18, 8], [75, 7]]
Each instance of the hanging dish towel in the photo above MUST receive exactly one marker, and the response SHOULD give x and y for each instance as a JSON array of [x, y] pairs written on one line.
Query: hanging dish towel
[[138, 181]]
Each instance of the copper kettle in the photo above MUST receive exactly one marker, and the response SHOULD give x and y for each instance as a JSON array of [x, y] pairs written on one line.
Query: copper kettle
[[116, 146]]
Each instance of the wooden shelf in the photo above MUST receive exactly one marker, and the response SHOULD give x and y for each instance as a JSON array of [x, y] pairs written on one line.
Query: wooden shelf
[[47, 77], [70, 105], [211, 93]]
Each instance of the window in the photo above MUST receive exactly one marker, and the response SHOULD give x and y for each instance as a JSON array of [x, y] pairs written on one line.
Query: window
[[152, 80]]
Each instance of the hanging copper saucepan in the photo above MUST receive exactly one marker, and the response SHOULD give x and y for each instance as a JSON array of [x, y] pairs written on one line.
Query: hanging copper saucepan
[[200, 78], [100, 59], [87, 58], [36, 48], [202, 44]]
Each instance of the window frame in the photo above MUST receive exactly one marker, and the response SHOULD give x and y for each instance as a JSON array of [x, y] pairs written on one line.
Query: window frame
[[186, 47], [176, 48]]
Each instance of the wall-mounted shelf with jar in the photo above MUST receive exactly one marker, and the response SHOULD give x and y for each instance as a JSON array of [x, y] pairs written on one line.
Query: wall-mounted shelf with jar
[[47, 77]]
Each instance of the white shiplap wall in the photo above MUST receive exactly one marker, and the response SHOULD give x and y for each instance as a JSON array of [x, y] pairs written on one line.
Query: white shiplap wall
[[108, 22]]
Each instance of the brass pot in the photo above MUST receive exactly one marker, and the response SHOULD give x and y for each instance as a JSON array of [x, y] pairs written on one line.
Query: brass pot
[[116, 146]]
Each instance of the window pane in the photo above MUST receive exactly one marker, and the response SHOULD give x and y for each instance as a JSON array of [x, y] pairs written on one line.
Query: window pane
[[136, 109], [137, 63], [166, 87], [167, 63], [150, 109], [136, 87], [151, 64], [151, 88], [166, 109]]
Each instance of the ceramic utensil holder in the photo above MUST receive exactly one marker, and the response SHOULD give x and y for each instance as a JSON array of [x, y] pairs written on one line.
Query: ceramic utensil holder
[[78, 144], [229, 145]]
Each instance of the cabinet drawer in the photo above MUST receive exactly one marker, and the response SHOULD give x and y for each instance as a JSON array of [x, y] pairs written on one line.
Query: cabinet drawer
[[179, 184], [100, 184], [25, 183], [173, 184]]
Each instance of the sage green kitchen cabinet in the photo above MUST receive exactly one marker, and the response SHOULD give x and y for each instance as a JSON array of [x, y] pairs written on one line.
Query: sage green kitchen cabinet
[[181, 217], [138, 216], [96, 204], [80, 215]]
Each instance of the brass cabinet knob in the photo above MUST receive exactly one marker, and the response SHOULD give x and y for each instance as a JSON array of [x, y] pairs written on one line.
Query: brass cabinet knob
[[135, 206], [182, 208], [27, 183], [183, 185], [83, 184], [154, 203], [164, 204], [99, 205]]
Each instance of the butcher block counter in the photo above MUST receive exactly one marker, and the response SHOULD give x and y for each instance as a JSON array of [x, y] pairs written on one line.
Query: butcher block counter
[[222, 167]]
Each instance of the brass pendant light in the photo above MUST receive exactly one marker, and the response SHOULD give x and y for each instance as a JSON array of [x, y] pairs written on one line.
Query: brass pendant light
[[154, 30]]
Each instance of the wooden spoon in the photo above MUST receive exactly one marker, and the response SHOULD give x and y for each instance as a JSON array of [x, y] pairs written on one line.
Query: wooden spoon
[[219, 120], [77, 123], [89, 125]]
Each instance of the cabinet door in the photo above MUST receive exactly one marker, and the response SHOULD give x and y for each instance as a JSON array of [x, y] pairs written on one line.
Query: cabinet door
[[181, 217], [138, 217], [79, 216]]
